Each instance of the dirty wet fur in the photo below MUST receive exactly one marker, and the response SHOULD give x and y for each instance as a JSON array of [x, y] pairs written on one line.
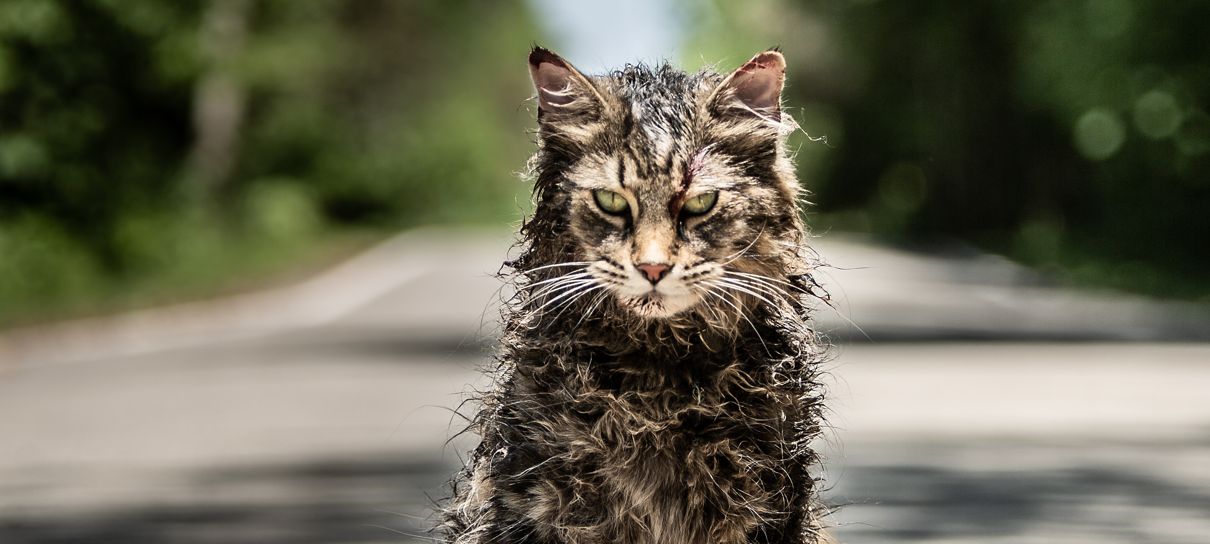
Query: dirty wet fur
[[677, 417]]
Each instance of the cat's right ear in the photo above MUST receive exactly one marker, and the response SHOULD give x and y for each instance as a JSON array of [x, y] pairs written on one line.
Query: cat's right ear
[[562, 90], [754, 89]]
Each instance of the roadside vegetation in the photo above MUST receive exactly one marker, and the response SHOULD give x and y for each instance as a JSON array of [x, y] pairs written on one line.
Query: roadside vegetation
[[1071, 136], [152, 151], [157, 151]]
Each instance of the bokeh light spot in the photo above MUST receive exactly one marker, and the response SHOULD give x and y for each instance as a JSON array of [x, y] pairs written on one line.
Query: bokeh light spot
[[1157, 115], [37, 21], [21, 156], [1099, 134]]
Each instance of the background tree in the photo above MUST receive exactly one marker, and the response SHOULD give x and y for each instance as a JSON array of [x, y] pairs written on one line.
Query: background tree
[[152, 150], [1069, 135]]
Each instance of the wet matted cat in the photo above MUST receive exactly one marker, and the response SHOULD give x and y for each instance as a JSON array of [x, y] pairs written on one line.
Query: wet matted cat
[[657, 375]]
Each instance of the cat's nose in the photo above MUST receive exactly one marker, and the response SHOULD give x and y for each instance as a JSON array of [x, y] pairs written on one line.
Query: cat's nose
[[654, 271]]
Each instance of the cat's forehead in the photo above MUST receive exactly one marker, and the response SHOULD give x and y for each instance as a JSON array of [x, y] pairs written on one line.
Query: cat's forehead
[[658, 102], [654, 125]]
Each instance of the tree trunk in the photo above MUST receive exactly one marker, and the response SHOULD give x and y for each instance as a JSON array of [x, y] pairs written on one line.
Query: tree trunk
[[219, 97]]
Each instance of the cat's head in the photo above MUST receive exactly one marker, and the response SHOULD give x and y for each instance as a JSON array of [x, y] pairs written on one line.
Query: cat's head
[[672, 191]]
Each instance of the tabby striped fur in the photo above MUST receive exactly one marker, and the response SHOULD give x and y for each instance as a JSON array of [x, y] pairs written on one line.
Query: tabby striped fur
[[686, 418]]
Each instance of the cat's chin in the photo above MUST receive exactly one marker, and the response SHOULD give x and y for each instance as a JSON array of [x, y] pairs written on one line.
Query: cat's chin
[[659, 306]]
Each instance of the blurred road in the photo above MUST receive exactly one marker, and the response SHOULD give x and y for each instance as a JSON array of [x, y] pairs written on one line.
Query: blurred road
[[975, 404]]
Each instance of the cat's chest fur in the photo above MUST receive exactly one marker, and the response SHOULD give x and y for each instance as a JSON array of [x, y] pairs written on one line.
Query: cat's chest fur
[[675, 453]]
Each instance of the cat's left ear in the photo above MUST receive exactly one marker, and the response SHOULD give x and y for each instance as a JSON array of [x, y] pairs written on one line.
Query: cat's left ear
[[562, 90], [754, 88]]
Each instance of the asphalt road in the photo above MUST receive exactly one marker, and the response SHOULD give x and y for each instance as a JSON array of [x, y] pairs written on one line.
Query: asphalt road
[[975, 404]]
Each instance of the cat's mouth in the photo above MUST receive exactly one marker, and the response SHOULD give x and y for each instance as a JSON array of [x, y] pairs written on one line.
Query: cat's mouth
[[655, 304], [650, 304], [654, 298]]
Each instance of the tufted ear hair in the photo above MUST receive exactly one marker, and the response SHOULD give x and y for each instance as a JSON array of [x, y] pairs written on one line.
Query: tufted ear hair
[[753, 89], [562, 90]]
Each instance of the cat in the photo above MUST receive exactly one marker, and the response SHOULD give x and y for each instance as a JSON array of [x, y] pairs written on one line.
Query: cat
[[657, 380]]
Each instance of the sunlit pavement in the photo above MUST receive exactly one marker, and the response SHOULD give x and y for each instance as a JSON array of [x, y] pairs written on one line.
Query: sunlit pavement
[[978, 405]]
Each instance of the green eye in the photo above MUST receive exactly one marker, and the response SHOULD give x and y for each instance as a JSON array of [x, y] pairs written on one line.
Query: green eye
[[610, 202], [700, 204]]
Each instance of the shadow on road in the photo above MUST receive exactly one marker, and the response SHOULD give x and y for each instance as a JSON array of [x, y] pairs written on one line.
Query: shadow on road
[[1071, 499], [351, 500], [1068, 501]]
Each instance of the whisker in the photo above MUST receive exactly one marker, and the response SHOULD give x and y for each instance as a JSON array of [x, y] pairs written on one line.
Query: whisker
[[564, 291], [759, 277], [733, 257], [556, 265], [744, 289], [595, 304], [568, 304], [716, 314], [559, 286], [722, 296], [573, 274], [770, 289]]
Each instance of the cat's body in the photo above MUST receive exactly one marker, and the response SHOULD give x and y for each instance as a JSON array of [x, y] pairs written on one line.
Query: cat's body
[[657, 377]]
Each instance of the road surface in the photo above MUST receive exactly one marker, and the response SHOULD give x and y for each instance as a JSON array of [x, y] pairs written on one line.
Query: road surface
[[976, 404]]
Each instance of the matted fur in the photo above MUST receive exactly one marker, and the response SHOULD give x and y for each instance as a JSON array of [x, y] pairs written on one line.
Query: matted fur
[[608, 424]]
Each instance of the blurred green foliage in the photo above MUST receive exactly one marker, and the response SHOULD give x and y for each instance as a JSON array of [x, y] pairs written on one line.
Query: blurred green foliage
[[1071, 135], [351, 115], [152, 150]]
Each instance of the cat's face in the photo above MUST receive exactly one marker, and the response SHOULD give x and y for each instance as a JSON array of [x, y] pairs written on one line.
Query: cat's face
[[674, 187]]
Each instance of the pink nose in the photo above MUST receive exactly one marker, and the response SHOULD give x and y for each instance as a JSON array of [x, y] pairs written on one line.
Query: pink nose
[[654, 272]]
